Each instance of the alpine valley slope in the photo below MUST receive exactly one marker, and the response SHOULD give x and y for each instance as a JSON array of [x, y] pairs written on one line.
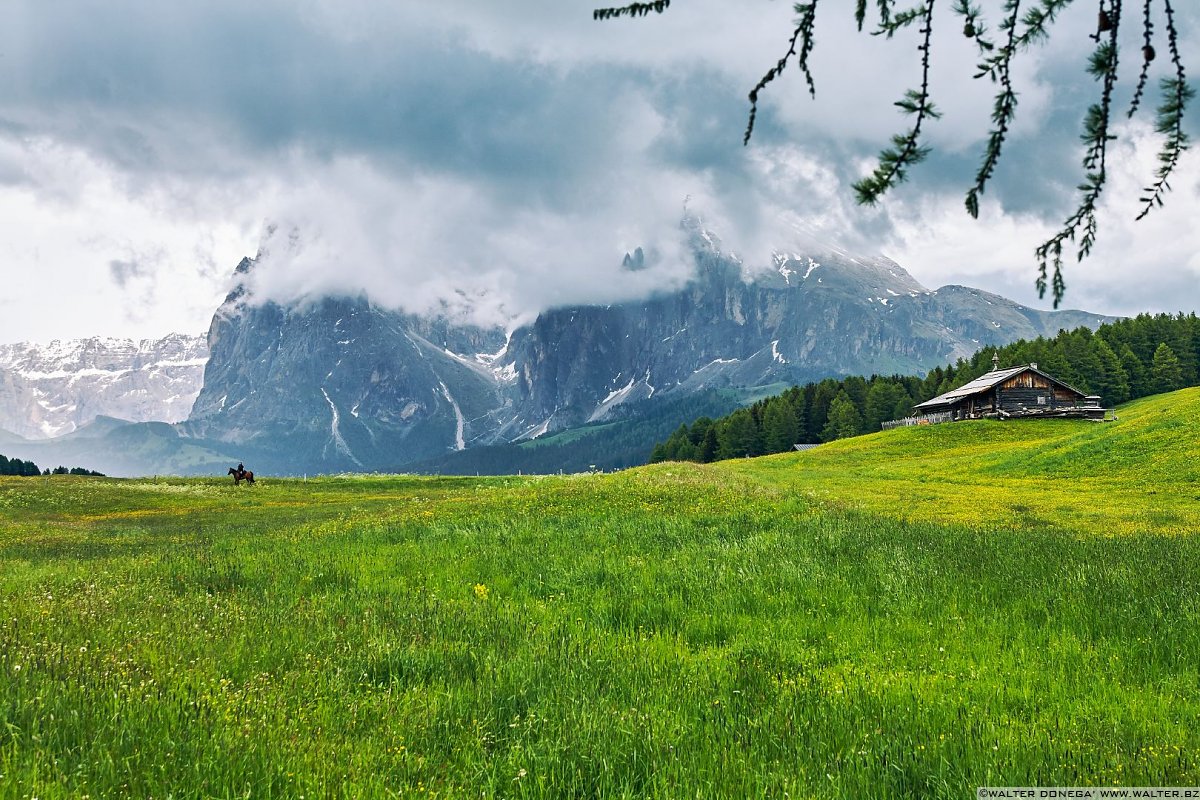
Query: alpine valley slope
[[340, 384]]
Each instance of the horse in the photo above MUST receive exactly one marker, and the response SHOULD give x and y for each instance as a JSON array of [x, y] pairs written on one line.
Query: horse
[[238, 477]]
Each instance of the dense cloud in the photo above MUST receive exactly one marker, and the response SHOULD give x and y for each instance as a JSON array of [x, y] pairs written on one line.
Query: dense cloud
[[495, 160]]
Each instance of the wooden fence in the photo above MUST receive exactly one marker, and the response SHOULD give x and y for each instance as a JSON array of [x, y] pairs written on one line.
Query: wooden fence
[[924, 419]]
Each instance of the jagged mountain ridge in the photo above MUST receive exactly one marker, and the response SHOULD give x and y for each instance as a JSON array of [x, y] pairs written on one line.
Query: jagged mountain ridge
[[340, 384], [52, 390], [807, 318]]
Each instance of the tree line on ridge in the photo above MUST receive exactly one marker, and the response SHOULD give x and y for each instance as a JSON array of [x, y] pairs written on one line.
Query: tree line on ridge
[[15, 466]]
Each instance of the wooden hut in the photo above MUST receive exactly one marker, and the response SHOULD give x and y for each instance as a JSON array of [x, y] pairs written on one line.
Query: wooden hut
[[1014, 392]]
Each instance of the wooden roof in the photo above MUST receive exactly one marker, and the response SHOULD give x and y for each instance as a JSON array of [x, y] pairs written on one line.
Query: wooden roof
[[986, 382]]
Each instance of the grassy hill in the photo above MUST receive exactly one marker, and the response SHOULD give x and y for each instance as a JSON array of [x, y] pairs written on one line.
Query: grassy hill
[[1139, 473], [910, 614]]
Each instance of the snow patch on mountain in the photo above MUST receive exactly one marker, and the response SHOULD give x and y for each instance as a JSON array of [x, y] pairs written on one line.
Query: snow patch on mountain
[[50, 390], [335, 434], [460, 422], [615, 397], [714, 362]]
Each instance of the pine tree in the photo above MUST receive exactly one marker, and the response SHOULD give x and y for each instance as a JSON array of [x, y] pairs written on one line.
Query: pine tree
[[883, 399], [795, 397], [856, 389], [1139, 383], [818, 409], [780, 430], [844, 420], [699, 429], [673, 445], [1166, 375], [1082, 361], [1180, 341], [710, 447], [1113, 382], [739, 436]]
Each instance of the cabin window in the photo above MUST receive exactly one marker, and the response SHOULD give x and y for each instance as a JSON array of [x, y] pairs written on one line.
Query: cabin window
[[1041, 400]]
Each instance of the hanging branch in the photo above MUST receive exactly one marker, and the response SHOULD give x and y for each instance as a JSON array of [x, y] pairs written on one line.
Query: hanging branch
[[1096, 136], [1005, 109], [1147, 57], [906, 149], [885, 10], [804, 34], [632, 10], [884, 7], [973, 27], [1175, 93], [1037, 22]]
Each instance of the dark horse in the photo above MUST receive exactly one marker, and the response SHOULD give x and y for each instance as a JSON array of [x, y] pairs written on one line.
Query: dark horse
[[242, 475]]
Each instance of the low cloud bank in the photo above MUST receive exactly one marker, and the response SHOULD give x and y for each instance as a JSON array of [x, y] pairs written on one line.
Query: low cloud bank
[[491, 164]]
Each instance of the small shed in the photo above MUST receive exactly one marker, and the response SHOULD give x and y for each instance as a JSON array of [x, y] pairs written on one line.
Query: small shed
[[1013, 392]]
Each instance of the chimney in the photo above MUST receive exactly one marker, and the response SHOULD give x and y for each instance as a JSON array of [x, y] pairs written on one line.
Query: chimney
[[995, 361], [1033, 364]]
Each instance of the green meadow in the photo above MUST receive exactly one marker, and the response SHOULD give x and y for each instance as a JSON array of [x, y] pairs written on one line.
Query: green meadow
[[908, 614]]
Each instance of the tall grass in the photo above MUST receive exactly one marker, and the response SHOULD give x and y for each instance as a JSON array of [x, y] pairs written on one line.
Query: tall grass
[[724, 631]]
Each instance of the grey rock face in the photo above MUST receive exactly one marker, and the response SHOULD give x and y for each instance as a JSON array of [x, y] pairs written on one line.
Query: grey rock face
[[343, 385], [809, 317], [51, 390]]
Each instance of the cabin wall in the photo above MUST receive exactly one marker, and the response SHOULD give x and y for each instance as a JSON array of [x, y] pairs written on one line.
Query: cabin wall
[[1033, 397], [975, 406], [1026, 380], [1029, 390], [983, 403]]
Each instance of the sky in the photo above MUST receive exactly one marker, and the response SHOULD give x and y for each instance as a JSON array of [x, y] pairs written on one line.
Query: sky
[[490, 160]]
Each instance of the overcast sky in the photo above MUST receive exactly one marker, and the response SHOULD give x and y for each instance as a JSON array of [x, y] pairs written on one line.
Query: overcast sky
[[499, 158]]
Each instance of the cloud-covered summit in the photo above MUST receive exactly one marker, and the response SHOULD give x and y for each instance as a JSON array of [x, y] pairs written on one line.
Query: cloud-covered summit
[[511, 154]]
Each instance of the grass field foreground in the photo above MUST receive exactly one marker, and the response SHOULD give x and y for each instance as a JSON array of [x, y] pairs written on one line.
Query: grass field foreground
[[911, 614]]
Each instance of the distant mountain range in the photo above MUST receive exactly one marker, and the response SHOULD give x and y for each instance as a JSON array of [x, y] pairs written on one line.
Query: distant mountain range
[[51, 390], [341, 384]]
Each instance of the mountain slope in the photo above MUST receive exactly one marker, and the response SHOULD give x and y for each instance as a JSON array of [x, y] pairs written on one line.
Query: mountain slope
[[126, 449], [1138, 474]]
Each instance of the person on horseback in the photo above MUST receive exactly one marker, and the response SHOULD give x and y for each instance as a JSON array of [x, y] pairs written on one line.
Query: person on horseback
[[240, 473]]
